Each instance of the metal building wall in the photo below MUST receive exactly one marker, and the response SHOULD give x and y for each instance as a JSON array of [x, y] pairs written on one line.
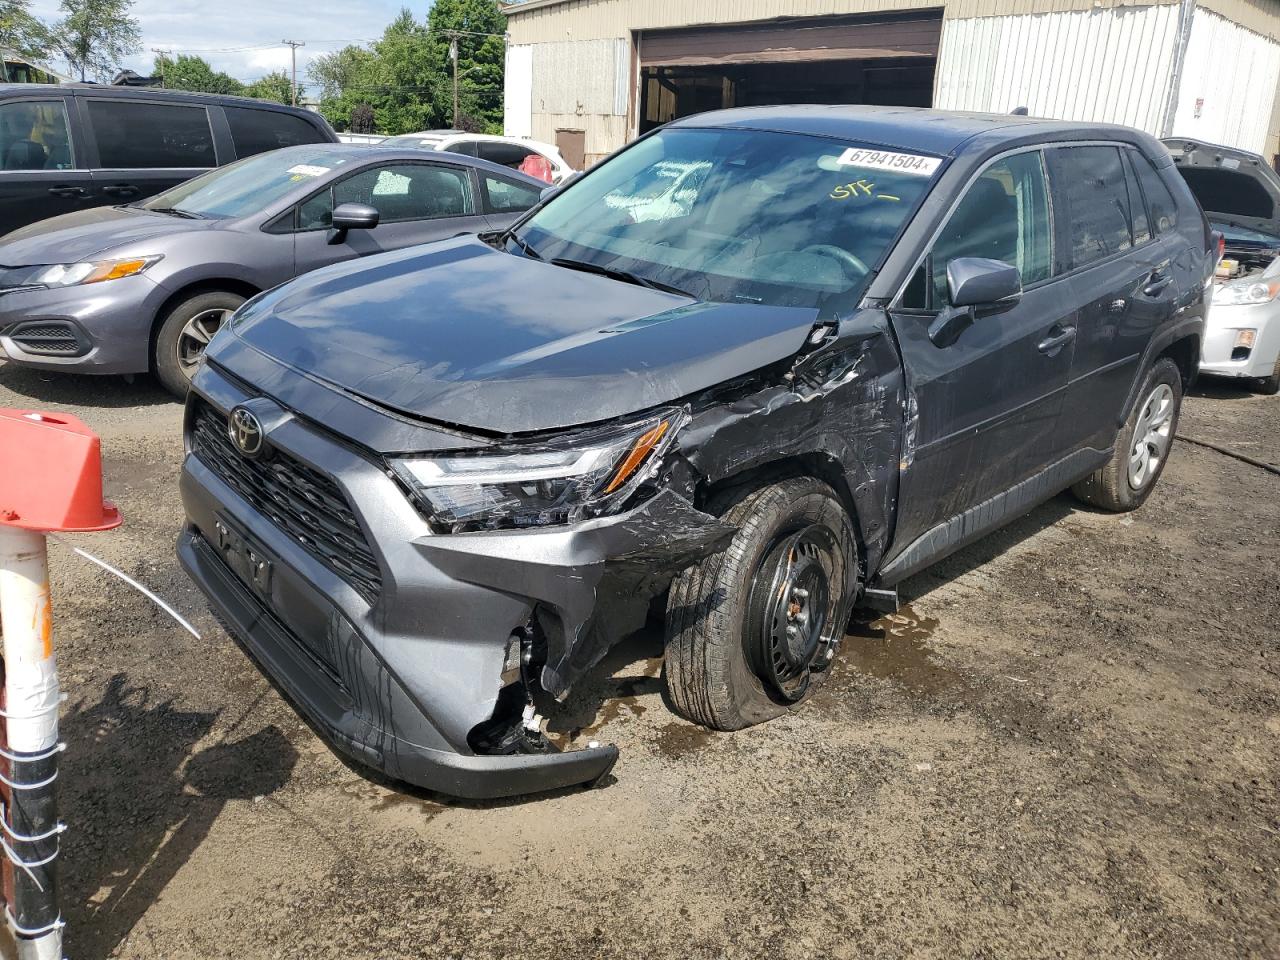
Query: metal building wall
[[1104, 65], [1229, 81]]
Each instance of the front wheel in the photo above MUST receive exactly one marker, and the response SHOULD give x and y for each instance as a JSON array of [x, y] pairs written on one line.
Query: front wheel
[[184, 334], [752, 631], [1142, 446]]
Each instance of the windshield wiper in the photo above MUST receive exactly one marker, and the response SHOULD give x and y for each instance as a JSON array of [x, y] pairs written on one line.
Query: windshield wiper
[[523, 244], [175, 212], [623, 275]]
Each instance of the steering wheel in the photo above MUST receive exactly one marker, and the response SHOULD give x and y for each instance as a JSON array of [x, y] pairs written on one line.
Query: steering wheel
[[845, 258]]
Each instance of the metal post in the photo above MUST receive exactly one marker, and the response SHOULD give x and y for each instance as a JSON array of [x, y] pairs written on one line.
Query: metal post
[[30, 823], [293, 49], [453, 55]]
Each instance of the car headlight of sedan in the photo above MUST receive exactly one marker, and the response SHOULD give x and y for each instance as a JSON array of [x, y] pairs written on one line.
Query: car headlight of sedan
[[78, 274], [585, 475], [1246, 291]]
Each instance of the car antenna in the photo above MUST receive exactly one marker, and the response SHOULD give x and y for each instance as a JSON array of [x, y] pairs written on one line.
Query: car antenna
[[1019, 112]]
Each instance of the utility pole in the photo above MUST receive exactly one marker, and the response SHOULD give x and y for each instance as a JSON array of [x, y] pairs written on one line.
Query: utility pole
[[453, 55], [293, 46], [161, 52]]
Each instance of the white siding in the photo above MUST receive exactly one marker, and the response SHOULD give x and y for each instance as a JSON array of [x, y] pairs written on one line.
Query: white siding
[[1104, 65], [517, 113], [1234, 72]]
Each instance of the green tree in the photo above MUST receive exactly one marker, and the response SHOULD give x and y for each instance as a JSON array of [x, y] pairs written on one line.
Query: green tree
[[187, 72], [274, 86], [406, 77], [22, 32], [95, 36]]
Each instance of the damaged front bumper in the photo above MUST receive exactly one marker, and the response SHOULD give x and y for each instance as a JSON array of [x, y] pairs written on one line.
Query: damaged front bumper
[[401, 677]]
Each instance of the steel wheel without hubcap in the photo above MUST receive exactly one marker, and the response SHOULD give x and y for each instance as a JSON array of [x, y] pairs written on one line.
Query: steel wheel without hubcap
[[1152, 436], [195, 337], [791, 632]]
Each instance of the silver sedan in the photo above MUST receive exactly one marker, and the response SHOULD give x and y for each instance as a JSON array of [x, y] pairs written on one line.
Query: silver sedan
[[145, 286]]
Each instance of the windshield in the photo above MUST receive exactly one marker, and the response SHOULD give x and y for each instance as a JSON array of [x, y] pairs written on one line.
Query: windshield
[[737, 215], [246, 186]]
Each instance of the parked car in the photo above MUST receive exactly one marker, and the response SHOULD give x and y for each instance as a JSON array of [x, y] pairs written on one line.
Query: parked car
[[144, 286], [871, 337], [531, 157], [1240, 193], [71, 147]]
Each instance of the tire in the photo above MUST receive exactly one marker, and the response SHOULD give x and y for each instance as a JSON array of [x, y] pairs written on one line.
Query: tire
[[1114, 486], [176, 352], [718, 670], [1270, 386]]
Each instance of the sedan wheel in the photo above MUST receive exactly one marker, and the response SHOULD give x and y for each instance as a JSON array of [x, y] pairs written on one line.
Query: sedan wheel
[[184, 335], [195, 336]]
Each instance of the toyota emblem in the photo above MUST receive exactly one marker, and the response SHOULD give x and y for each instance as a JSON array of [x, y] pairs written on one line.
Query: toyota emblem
[[245, 431]]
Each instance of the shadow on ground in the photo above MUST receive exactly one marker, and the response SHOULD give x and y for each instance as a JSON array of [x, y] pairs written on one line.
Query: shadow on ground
[[130, 750], [72, 389]]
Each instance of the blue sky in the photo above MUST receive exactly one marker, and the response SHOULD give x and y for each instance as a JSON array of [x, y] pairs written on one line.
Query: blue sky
[[220, 30]]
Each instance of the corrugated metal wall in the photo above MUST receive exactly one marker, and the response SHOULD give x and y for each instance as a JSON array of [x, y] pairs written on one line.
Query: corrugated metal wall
[[1229, 81], [1109, 65], [517, 105]]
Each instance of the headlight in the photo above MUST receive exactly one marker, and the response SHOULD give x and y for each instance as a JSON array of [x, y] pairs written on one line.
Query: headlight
[[585, 475], [77, 274], [1246, 291]]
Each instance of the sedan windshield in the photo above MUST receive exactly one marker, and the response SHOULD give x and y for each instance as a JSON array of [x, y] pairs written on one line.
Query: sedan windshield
[[736, 215], [247, 186]]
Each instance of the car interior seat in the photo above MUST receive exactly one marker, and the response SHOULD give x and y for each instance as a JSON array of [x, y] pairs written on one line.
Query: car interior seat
[[25, 155]]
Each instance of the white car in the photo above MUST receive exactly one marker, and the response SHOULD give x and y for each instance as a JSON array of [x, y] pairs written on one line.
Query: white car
[[1240, 194], [532, 157]]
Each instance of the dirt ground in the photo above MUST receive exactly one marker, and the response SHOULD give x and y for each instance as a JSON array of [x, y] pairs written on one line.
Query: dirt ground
[[1067, 745]]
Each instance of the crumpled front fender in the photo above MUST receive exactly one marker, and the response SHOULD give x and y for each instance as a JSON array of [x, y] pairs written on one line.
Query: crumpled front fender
[[580, 576]]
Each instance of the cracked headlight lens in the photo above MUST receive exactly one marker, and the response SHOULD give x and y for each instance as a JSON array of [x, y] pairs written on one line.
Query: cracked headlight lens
[[587, 474]]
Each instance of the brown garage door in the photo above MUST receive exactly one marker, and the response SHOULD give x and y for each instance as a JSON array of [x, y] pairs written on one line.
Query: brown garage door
[[914, 34]]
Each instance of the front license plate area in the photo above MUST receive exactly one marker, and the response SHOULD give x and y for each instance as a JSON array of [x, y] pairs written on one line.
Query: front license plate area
[[247, 558]]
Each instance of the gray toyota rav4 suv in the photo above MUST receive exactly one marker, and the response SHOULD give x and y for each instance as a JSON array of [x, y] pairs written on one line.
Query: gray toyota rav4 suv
[[760, 365]]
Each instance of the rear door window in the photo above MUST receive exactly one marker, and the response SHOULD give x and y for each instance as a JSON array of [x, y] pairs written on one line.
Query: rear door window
[[507, 154], [1141, 225], [1097, 200], [137, 134], [1163, 208], [257, 131], [34, 136], [399, 192], [1003, 216], [507, 196]]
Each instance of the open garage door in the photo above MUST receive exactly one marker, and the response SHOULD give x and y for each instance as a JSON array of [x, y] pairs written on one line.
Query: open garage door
[[880, 59]]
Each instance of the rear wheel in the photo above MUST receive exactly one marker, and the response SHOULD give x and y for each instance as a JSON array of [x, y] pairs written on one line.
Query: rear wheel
[[751, 632], [1142, 446], [184, 334]]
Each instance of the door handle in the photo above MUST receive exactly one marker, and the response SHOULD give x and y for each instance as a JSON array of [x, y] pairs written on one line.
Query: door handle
[[68, 191], [120, 190], [1051, 344], [1156, 282]]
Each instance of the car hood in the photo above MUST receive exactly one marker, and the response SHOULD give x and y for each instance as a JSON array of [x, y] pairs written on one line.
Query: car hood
[[461, 334], [77, 236], [1235, 187]]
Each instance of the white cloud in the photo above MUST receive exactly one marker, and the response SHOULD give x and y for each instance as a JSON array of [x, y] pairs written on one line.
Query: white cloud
[[220, 31]]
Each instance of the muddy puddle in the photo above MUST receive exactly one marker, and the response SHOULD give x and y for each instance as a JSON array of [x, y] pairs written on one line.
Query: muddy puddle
[[894, 647]]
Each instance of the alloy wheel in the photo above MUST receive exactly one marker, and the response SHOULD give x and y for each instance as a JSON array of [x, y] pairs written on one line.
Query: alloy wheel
[[195, 337]]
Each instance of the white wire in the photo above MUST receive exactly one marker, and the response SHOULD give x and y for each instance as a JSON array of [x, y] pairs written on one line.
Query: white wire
[[182, 621]]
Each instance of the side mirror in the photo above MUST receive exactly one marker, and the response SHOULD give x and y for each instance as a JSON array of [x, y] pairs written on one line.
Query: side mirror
[[352, 216], [972, 283]]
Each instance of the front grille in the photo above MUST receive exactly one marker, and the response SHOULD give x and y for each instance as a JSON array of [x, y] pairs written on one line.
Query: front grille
[[301, 501], [49, 338]]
